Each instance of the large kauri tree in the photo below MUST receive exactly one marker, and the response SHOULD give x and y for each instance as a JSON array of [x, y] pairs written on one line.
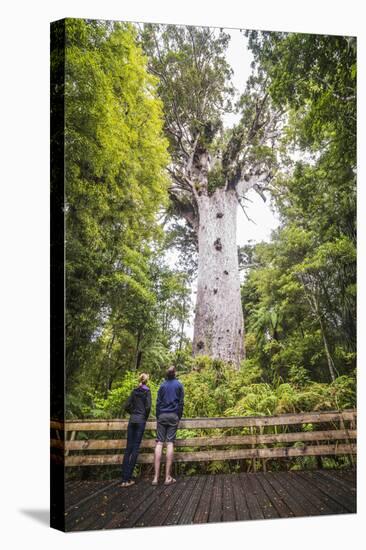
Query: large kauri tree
[[212, 168]]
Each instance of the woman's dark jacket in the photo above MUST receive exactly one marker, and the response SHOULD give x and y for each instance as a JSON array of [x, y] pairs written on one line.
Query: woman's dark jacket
[[139, 404]]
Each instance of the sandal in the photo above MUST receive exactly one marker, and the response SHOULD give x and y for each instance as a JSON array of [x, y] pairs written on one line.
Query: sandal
[[129, 483], [171, 481]]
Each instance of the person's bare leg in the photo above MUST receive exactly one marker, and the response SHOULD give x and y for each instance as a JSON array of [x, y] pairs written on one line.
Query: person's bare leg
[[169, 462], [157, 460]]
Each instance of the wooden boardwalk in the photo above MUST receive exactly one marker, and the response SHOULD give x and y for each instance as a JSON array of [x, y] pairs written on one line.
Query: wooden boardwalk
[[211, 498]]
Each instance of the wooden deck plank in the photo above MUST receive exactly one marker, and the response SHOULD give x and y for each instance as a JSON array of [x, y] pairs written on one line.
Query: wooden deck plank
[[321, 502], [85, 492], [86, 511], [211, 498], [241, 505], [282, 509], [72, 484], [348, 489], [175, 493], [345, 497], [338, 478], [146, 516], [123, 504], [92, 513], [255, 511], [73, 490], [268, 510], [216, 501], [182, 502], [349, 475], [203, 508], [342, 496], [152, 501], [187, 516], [295, 506], [301, 497], [131, 500], [228, 502]]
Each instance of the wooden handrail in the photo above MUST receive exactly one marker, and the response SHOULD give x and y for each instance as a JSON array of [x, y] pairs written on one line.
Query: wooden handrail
[[206, 456], [265, 439], [339, 441], [216, 422]]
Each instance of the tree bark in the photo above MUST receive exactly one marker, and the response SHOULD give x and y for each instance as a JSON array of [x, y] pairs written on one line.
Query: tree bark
[[331, 367], [219, 323], [314, 305], [138, 353]]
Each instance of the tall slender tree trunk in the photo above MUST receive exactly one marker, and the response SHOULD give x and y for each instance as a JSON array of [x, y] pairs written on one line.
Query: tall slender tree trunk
[[108, 381], [182, 325], [138, 353], [331, 367], [314, 305], [219, 323]]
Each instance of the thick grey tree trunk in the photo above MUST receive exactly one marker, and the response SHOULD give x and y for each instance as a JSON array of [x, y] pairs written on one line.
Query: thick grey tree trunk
[[219, 323]]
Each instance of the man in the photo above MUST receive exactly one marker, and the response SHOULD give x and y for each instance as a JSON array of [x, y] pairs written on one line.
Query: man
[[169, 410]]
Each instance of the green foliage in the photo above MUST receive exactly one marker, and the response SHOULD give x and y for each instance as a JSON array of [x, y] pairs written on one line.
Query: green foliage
[[216, 179], [315, 75], [126, 308], [116, 185], [264, 399], [194, 83], [218, 467], [306, 275], [212, 388]]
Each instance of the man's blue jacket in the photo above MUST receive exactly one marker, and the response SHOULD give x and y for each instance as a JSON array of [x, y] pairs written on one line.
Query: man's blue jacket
[[170, 398]]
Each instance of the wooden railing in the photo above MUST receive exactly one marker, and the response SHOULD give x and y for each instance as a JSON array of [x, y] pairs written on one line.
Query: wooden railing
[[335, 434]]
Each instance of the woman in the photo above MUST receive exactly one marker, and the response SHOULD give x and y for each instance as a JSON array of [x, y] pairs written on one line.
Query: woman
[[138, 405]]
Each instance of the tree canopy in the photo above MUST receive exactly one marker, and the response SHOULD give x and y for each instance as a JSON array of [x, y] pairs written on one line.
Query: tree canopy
[[305, 278], [116, 185], [143, 139]]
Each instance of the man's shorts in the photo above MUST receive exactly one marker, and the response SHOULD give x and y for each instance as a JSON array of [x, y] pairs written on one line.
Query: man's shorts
[[167, 425]]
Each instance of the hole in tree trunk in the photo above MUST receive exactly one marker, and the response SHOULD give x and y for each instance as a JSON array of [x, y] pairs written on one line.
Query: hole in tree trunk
[[217, 244], [200, 345], [226, 272], [215, 290], [219, 215]]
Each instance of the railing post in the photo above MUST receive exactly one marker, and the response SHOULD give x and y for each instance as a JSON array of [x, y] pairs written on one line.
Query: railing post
[[343, 426], [261, 431], [252, 431], [319, 459], [72, 437]]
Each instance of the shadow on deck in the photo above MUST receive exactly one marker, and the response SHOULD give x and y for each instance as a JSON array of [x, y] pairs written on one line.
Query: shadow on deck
[[211, 498]]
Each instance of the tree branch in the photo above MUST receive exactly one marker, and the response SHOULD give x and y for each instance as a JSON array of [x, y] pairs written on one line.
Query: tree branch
[[185, 208], [243, 209]]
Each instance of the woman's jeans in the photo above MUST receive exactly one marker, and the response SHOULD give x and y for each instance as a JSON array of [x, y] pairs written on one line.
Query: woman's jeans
[[135, 431]]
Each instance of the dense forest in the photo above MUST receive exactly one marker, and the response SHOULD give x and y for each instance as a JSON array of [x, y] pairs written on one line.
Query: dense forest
[[148, 160]]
